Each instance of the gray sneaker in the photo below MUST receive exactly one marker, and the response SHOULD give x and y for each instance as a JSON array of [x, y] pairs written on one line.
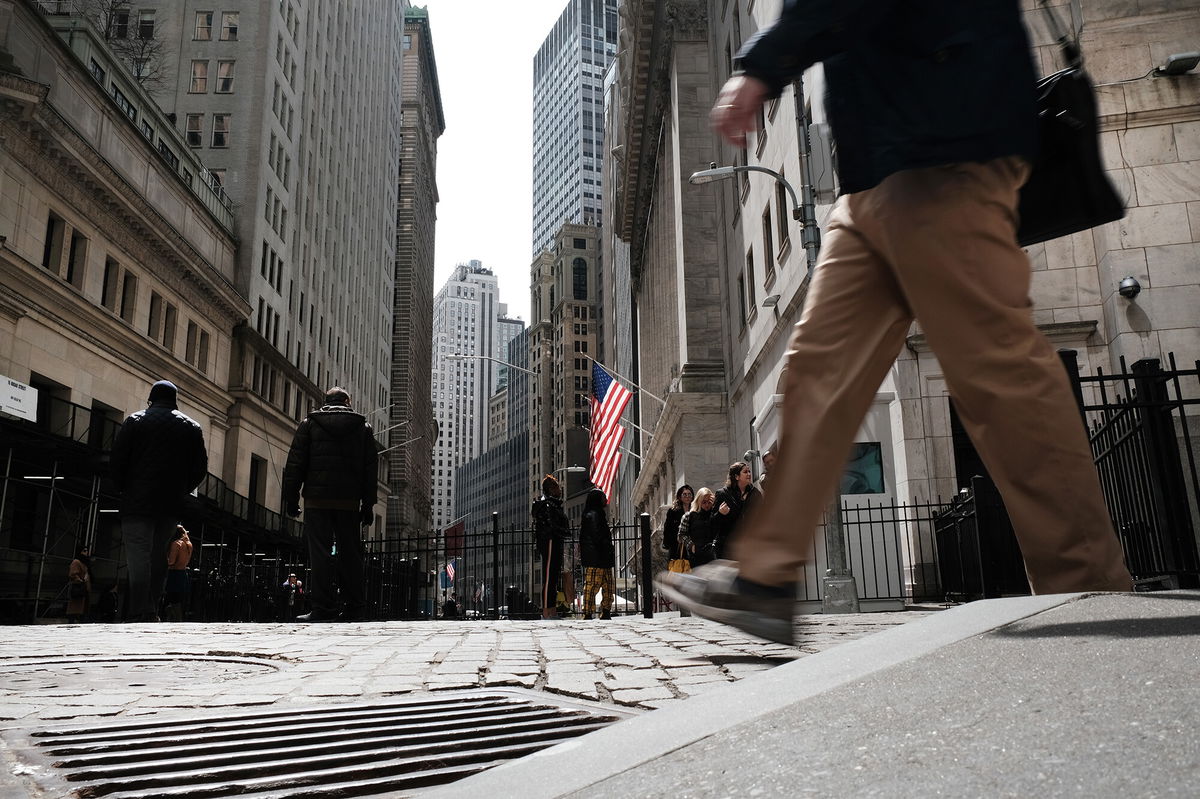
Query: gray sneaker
[[715, 592]]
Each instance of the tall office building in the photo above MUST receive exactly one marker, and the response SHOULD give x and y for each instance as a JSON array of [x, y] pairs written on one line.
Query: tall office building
[[411, 427], [568, 117], [294, 108], [465, 313], [507, 329]]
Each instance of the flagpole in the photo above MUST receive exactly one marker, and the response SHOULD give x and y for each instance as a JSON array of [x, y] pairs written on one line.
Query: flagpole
[[627, 452], [614, 373]]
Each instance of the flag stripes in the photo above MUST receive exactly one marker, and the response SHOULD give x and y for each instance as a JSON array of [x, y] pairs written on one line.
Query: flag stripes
[[609, 399]]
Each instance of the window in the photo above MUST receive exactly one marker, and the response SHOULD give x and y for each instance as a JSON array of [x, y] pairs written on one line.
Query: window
[[580, 244], [781, 213], [170, 325], [751, 299], [224, 77], [118, 24], [77, 259], [203, 30], [154, 325], [229, 26], [220, 135], [123, 103], [768, 247], [108, 289], [194, 131], [52, 250], [199, 77], [579, 279], [407, 42], [190, 343], [217, 176], [864, 470], [202, 356], [146, 24], [741, 284], [128, 296], [97, 71], [147, 131]]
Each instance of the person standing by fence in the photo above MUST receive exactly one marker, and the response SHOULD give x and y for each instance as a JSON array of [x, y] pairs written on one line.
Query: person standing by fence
[[79, 585], [179, 583], [551, 531], [597, 555]]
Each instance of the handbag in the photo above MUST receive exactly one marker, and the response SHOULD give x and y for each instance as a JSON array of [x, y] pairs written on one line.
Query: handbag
[[1068, 189], [680, 565], [77, 590]]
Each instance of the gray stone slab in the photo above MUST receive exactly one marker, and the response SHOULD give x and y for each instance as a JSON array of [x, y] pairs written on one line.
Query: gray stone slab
[[641, 757]]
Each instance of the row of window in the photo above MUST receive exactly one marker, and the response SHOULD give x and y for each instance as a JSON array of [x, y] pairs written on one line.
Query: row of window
[[203, 29], [194, 134], [67, 257], [224, 83]]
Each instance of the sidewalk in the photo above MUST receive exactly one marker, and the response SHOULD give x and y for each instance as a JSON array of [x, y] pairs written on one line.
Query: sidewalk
[[1068, 695], [54, 673]]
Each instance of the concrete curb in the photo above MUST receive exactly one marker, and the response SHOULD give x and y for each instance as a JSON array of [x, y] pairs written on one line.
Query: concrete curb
[[577, 764]]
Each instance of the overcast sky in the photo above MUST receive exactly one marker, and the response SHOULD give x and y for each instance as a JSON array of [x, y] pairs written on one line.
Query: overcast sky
[[484, 51]]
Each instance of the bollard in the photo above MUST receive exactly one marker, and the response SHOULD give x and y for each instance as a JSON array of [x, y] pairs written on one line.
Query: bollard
[[647, 577], [496, 562]]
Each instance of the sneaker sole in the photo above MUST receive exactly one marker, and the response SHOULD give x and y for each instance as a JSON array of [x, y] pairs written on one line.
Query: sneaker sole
[[777, 630]]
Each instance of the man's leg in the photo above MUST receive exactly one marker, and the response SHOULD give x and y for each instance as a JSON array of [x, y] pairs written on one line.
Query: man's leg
[[853, 326], [164, 530], [606, 582], [350, 565], [319, 530], [590, 587], [137, 533], [950, 232]]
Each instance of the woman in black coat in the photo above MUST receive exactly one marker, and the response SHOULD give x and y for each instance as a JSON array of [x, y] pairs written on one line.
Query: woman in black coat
[[596, 554], [683, 503], [698, 531], [733, 501]]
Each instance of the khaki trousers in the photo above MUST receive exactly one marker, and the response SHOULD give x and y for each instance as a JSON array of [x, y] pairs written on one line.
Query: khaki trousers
[[937, 245]]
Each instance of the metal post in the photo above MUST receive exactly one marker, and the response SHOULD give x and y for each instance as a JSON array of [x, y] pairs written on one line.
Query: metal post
[[647, 581], [496, 562], [37, 596], [1070, 362], [841, 591]]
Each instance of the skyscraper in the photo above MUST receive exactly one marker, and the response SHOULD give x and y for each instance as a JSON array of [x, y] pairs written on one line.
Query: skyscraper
[[465, 313], [568, 117], [411, 437]]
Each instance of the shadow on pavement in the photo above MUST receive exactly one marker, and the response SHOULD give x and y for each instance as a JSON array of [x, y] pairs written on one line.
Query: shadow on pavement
[[1115, 628], [725, 660]]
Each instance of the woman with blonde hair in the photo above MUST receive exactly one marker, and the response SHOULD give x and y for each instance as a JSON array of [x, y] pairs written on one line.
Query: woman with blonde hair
[[697, 530]]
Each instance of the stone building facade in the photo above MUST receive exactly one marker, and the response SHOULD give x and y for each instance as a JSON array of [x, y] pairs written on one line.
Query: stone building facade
[[410, 418]]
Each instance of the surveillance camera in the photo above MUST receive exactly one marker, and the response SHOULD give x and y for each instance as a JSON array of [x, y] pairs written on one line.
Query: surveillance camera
[[1129, 288], [749, 455]]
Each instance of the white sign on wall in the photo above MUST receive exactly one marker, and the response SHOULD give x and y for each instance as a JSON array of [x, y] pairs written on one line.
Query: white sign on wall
[[18, 399]]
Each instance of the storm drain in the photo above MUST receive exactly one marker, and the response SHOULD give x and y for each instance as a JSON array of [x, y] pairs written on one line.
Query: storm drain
[[334, 751]]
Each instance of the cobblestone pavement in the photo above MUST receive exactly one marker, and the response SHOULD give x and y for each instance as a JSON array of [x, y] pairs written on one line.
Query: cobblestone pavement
[[53, 673]]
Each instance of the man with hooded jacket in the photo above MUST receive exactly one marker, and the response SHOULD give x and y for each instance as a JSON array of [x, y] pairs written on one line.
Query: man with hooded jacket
[[332, 463], [157, 458]]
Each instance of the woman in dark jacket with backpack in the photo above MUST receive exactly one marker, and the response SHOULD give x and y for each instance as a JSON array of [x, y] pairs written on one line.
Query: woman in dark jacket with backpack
[[596, 554]]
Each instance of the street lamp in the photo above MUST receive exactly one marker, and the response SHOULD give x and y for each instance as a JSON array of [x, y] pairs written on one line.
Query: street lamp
[[461, 356], [840, 590]]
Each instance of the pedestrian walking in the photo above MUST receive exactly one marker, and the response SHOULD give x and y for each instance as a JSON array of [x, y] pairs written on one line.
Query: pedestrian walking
[[551, 530], [292, 590], [683, 501], [737, 498], [179, 582], [158, 458], [698, 530], [597, 555], [332, 464], [79, 585], [932, 109]]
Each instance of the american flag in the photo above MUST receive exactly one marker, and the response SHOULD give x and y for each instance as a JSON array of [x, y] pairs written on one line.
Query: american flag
[[609, 399], [450, 570]]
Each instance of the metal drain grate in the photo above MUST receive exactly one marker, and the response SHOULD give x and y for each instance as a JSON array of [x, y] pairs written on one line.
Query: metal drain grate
[[333, 751]]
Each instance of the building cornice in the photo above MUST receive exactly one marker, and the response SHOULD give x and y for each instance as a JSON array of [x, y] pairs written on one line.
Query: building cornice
[[1056, 332]]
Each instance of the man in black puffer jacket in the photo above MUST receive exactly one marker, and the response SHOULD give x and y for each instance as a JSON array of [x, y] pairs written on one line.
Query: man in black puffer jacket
[[157, 458], [333, 457]]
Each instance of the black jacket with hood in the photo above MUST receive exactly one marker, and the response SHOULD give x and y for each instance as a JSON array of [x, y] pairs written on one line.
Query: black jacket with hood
[[332, 462], [157, 458]]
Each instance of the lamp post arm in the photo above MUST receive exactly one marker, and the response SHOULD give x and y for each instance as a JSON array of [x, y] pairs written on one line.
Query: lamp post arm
[[796, 210]]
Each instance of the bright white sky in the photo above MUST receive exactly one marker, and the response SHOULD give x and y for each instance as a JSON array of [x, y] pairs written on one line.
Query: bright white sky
[[484, 51]]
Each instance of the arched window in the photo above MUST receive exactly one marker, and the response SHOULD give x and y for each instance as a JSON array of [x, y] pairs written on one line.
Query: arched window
[[579, 278]]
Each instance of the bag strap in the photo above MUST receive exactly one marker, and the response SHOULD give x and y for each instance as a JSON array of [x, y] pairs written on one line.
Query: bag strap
[[1070, 48]]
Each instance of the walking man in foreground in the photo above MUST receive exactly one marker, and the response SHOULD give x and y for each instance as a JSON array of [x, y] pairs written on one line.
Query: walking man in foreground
[[158, 458], [332, 463], [932, 107]]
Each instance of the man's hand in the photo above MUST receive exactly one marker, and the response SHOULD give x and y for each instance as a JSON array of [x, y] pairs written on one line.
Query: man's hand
[[292, 510], [724, 509], [737, 107]]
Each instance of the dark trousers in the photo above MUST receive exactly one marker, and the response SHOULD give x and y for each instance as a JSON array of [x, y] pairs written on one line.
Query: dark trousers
[[146, 542], [551, 552], [324, 529]]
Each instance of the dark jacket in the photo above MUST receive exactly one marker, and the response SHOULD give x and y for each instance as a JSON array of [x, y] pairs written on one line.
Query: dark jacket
[[595, 542], [550, 521], [158, 457], [671, 530], [333, 456], [698, 532], [726, 524], [909, 84]]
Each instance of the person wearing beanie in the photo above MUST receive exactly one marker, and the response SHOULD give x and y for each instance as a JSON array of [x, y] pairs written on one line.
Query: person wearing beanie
[[158, 457], [332, 464], [551, 530]]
